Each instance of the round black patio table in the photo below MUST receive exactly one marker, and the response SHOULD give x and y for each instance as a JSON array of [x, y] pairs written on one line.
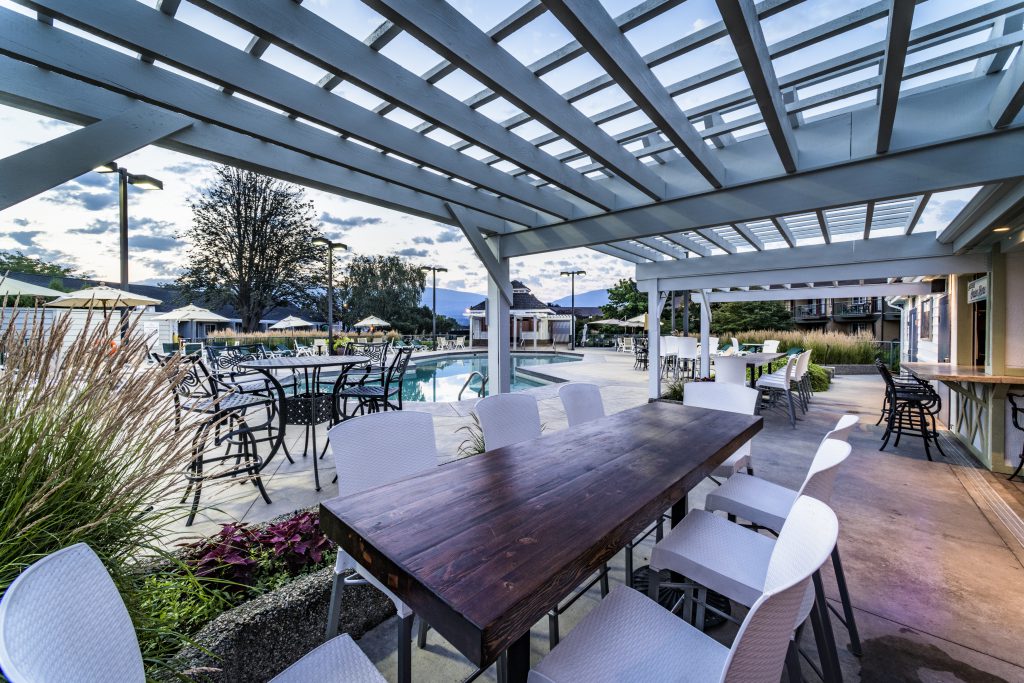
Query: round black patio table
[[308, 406]]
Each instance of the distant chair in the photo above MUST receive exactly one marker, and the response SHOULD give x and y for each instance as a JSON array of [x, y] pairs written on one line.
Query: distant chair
[[731, 370], [170, 348], [582, 402], [713, 345], [508, 419], [731, 398], [460, 343], [369, 452], [770, 346], [781, 382], [687, 354], [735, 344], [627, 344]]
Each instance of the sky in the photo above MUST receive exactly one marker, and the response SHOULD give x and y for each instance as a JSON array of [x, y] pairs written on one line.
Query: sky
[[76, 223]]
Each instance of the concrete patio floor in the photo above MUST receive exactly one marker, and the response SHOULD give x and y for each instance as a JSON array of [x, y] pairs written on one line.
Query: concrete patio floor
[[933, 551]]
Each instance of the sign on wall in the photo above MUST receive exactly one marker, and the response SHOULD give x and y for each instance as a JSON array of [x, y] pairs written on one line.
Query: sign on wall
[[977, 290]]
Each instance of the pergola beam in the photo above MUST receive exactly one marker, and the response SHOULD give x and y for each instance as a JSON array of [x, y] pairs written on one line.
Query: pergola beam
[[40, 168], [1009, 95], [740, 17], [952, 164], [618, 253], [746, 233], [484, 250], [992, 207], [598, 33], [901, 16], [711, 236], [918, 211], [141, 28], [303, 33], [66, 53], [869, 215], [452, 35], [834, 292], [55, 96]]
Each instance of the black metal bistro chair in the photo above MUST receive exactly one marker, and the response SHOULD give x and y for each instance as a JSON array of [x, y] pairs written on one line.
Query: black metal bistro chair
[[373, 397], [911, 410], [226, 421], [1018, 422]]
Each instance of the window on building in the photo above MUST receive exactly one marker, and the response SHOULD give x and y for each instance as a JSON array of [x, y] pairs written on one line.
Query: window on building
[[926, 318]]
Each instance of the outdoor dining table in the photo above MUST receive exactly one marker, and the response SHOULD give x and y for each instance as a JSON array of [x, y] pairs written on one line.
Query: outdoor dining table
[[308, 406], [483, 547], [756, 363]]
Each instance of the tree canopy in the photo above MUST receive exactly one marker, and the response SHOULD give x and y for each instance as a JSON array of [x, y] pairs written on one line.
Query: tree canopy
[[251, 246], [388, 287], [738, 316], [624, 300], [17, 262]]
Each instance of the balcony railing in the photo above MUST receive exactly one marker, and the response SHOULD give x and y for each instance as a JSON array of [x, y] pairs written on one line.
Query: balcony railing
[[853, 308], [810, 312]]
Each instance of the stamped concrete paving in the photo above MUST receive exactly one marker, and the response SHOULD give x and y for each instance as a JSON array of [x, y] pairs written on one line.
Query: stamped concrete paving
[[929, 548]]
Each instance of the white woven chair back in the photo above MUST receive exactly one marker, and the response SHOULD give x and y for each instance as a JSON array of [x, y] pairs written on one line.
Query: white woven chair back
[[770, 346], [841, 432], [718, 396], [63, 620], [802, 363], [805, 542], [730, 370], [735, 343], [688, 347], [379, 448], [507, 419], [821, 477], [713, 344], [582, 402]]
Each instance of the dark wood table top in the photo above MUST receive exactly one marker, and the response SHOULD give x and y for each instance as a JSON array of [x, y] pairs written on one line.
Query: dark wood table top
[[298, 362], [483, 547]]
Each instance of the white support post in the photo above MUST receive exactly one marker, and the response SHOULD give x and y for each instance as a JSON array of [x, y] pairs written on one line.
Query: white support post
[[705, 334], [499, 358], [653, 343]]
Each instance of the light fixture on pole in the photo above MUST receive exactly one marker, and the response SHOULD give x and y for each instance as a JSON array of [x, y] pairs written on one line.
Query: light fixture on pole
[[572, 302], [124, 179], [435, 270], [331, 246]]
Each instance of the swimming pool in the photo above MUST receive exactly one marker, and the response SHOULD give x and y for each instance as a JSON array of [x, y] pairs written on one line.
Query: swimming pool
[[441, 378]]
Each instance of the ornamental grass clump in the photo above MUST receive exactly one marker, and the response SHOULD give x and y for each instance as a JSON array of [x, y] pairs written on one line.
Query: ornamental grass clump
[[89, 451]]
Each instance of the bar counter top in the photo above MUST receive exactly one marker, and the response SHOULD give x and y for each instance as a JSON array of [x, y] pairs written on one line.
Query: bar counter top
[[947, 372]]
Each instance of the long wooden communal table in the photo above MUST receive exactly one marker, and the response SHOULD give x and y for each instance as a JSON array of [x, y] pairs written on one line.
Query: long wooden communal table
[[483, 547]]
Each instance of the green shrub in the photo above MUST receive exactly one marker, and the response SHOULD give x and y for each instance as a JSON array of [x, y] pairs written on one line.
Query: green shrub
[[828, 348], [89, 452], [820, 379]]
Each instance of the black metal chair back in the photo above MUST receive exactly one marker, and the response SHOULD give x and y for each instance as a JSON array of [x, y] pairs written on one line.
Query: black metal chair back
[[1017, 411], [399, 364], [377, 352]]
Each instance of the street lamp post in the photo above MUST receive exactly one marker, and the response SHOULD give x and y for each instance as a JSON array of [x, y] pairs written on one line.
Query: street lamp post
[[331, 246], [434, 270], [124, 179], [572, 302]]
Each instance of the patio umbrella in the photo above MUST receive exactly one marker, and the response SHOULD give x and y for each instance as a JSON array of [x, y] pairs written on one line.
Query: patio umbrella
[[290, 322], [607, 321], [372, 321], [103, 296], [193, 314], [11, 287], [636, 321]]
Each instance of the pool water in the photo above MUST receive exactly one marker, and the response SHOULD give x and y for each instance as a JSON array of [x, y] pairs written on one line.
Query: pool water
[[441, 379]]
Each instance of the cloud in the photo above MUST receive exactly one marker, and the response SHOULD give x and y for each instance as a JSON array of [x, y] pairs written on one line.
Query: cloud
[[456, 284], [97, 227], [185, 167], [91, 201], [409, 251], [947, 210], [452, 236], [152, 242], [95, 180], [21, 221], [24, 237], [422, 240], [351, 221]]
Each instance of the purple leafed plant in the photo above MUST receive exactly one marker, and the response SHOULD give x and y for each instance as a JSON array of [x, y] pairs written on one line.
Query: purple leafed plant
[[239, 553]]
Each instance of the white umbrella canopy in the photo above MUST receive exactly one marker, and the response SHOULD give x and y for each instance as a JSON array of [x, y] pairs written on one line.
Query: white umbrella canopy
[[636, 321], [102, 296], [372, 321], [193, 313], [290, 322], [11, 287], [607, 321]]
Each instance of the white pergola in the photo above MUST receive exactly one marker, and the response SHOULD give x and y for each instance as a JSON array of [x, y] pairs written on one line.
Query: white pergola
[[812, 179]]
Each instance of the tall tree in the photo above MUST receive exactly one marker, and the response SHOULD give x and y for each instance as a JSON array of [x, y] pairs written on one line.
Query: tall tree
[[624, 300], [17, 262], [251, 245], [740, 316], [388, 287]]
